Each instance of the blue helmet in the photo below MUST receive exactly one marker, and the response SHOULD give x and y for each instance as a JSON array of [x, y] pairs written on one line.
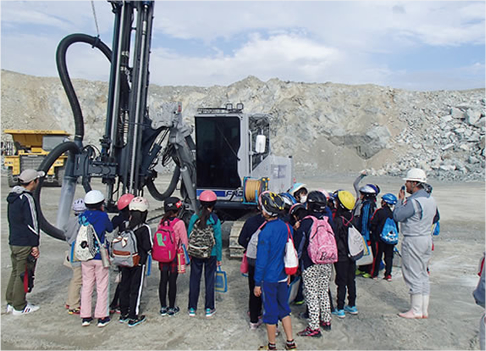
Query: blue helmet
[[389, 198], [289, 197], [296, 187]]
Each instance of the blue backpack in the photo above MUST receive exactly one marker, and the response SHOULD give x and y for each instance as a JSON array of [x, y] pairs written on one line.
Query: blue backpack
[[389, 234]]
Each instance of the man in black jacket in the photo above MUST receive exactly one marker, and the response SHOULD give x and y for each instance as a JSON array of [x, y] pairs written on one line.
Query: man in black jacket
[[23, 240]]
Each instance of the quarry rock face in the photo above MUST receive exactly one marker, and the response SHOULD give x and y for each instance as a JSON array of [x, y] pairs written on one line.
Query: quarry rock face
[[325, 127]]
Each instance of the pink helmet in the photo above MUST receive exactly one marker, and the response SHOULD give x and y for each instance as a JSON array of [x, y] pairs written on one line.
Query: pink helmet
[[124, 201], [208, 196], [326, 194]]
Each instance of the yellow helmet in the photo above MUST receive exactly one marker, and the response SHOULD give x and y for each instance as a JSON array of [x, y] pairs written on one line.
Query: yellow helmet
[[346, 199]]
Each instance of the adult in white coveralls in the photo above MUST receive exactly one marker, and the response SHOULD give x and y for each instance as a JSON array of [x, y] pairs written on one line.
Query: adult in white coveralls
[[416, 214]]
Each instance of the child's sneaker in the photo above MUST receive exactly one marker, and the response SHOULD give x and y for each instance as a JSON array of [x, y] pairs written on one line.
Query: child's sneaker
[[254, 326], [172, 311], [351, 310], [192, 312], [210, 312], [310, 332], [115, 309], [339, 313], [366, 275], [269, 346], [135, 322], [102, 322], [27, 309], [123, 318], [326, 325], [388, 278], [86, 322], [163, 311], [290, 345], [74, 311], [9, 309]]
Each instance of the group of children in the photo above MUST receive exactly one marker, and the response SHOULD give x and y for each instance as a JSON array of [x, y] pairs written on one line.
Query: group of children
[[264, 236], [132, 217], [301, 210]]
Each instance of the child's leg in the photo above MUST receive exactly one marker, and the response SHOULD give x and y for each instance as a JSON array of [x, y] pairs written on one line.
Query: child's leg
[[172, 288], [209, 277], [136, 286], [164, 278], [341, 282], [388, 259], [351, 282], [195, 281], [324, 300], [102, 284], [311, 294]]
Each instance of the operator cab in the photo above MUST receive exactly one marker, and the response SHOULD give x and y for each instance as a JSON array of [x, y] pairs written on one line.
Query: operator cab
[[230, 145]]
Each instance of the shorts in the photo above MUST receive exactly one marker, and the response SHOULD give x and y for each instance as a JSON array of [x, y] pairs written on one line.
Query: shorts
[[275, 302]]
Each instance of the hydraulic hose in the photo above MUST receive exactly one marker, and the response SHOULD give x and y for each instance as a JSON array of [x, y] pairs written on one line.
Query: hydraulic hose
[[66, 80], [44, 166], [170, 189]]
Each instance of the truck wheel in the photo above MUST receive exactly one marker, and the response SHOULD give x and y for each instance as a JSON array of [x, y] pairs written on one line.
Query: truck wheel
[[11, 181]]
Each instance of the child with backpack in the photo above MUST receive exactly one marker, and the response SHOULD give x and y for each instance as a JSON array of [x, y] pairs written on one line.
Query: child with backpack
[[317, 251], [119, 221], [170, 236], [93, 270], [271, 279], [205, 250], [345, 266], [380, 222], [132, 277], [71, 229]]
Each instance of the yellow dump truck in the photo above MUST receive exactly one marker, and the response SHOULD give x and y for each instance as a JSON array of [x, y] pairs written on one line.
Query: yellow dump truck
[[30, 149]]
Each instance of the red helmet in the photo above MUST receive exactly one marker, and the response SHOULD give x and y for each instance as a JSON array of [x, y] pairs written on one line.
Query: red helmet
[[208, 196], [124, 201]]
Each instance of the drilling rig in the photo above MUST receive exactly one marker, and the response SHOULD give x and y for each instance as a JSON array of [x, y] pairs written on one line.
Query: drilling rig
[[231, 157]]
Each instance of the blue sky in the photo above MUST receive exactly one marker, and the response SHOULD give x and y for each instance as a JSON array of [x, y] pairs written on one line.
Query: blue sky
[[414, 45]]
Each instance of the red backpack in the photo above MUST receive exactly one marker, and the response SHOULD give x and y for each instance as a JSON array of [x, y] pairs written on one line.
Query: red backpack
[[165, 247]]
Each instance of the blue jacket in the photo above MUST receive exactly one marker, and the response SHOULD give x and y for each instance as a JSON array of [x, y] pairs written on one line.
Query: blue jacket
[[272, 239], [22, 218], [100, 222], [215, 222]]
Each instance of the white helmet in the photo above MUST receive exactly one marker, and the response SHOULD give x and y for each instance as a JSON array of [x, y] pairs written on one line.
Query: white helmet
[[416, 175], [79, 206], [94, 197], [138, 204]]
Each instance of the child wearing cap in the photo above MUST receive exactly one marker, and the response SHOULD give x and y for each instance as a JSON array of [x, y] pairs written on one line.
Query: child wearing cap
[[71, 229], [168, 271]]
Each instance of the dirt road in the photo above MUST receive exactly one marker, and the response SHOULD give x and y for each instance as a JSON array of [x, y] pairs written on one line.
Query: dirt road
[[452, 324]]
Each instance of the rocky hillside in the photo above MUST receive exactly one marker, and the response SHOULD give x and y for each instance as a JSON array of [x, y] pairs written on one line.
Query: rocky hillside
[[326, 127]]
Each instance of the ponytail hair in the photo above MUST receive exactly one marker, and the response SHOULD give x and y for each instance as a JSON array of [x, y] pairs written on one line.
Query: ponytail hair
[[168, 215], [204, 213]]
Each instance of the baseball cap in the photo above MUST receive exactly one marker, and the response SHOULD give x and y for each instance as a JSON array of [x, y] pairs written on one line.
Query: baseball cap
[[29, 175]]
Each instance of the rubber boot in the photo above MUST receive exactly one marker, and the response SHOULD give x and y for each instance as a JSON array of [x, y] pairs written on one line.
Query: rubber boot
[[415, 311], [425, 307]]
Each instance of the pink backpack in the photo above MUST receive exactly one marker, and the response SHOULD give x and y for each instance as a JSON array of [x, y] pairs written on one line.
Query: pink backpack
[[164, 248], [322, 247]]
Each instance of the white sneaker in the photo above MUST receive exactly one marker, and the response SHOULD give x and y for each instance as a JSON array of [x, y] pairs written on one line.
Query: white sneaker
[[27, 309], [9, 308]]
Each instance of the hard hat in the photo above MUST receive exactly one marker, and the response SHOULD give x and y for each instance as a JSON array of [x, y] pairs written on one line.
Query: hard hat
[[93, 197], [367, 190], [138, 204], [271, 203], [296, 187], [208, 196], [172, 204], [124, 201], [389, 198], [346, 199], [79, 206], [416, 175], [316, 201]]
